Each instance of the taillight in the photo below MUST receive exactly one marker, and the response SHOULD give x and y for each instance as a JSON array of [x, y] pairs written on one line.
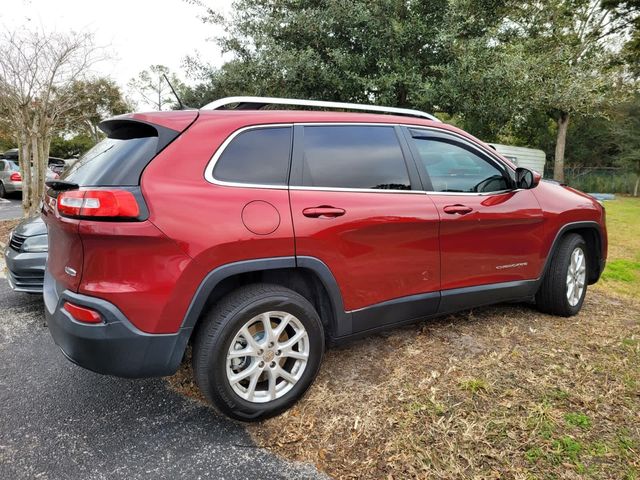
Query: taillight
[[82, 314], [15, 177], [98, 203]]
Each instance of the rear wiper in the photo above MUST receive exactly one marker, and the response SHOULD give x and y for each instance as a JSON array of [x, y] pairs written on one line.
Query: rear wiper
[[61, 185]]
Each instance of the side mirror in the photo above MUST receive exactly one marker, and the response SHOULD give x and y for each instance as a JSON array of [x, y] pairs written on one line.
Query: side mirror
[[526, 178]]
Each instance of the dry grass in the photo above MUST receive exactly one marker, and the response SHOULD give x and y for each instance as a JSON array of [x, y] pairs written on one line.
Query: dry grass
[[5, 227], [502, 392]]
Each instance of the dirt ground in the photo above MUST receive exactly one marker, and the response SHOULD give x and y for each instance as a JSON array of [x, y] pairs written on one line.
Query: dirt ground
[[5, 227], [499, 392]]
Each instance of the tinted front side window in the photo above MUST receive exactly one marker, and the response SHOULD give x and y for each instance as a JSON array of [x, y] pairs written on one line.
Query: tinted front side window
[[353, 157], [258, 156], [453, 167]]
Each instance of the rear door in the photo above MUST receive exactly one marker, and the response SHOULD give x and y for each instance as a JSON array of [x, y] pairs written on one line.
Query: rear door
[[357, 206], [490, 232]]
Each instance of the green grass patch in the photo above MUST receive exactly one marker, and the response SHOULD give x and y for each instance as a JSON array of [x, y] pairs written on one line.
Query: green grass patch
[[622, 271], [566, 448], [533, 454], [576, 419], [474, 385]]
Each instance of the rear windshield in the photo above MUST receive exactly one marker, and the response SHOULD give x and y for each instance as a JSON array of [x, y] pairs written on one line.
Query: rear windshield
[[113, 162]]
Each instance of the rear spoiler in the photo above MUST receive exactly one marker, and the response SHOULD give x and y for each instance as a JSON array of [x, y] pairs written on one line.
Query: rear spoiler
[[125, 129]]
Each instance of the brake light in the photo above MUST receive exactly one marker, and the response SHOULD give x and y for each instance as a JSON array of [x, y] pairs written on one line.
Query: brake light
[[98, 203], [15, 177], [82, 314]]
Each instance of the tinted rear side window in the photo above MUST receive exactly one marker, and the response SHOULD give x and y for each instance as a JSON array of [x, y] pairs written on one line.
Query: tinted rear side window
[[258, 156], [363, 157], [109, 162]]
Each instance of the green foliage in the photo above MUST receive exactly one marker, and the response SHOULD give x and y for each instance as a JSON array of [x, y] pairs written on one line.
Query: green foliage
[[72, 147], [384, 51], [505, 71], [95, 100], [601, 180]]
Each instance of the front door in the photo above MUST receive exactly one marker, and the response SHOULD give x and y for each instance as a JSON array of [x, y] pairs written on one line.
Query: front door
[[490, 232]]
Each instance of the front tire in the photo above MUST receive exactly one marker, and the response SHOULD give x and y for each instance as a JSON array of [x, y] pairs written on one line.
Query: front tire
[[258, 351], [565, 283]]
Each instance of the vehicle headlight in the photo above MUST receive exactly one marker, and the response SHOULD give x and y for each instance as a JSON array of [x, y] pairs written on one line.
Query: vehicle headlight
[[37, 243]]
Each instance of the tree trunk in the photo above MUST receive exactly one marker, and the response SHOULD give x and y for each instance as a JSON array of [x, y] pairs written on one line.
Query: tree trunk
[[36, 152], [25, 172], [561, 142], [635, 189]]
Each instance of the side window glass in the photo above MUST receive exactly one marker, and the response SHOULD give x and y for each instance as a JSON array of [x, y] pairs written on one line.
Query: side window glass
[[453, 167], [354, 156], [258, 156]]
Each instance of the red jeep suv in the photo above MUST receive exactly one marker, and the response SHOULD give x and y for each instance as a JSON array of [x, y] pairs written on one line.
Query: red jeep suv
[[260, 236]]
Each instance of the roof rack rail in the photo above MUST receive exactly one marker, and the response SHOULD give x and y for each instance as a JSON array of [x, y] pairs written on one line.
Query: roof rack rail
[[256, 103]]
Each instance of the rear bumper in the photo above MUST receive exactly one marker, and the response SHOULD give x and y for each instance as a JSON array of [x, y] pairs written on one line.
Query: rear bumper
[[114, 347], [26, 270], [11, 187]]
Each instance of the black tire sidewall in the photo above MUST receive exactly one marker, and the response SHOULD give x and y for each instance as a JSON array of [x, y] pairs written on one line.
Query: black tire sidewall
[[220, 390]]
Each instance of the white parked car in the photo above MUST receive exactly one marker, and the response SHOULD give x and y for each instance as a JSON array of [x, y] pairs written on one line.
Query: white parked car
[[11, 179]]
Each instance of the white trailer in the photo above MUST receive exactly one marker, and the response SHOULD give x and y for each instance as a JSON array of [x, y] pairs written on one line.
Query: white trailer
[[523, 157]]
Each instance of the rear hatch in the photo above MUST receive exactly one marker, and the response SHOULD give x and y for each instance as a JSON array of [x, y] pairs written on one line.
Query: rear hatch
[[104, 186]]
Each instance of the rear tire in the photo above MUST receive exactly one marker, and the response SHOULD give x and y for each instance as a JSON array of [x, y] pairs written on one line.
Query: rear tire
[[564, 285], [258, 351], [3, 192]]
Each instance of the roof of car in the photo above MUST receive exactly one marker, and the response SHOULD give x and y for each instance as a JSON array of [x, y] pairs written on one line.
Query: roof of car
[[181, 119]]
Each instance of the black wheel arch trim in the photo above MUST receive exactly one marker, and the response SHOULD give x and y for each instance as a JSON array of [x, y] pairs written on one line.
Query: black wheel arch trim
[[573, 226], [341, 323]]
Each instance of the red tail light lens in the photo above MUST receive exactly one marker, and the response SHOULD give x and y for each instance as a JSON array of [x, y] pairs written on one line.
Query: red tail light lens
[[82, 314], [98, 203], [15, 177]]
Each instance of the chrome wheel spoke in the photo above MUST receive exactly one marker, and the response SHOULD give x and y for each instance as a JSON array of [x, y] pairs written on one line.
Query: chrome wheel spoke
[[247, 372], [279, 372], [252, 384], [293, 340], [272, 384], [245, 352], [288, 353], [268, 330], [280, 328], [244, 331], [576, 276]]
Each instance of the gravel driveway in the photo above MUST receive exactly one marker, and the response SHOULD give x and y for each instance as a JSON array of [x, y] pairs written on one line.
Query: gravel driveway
[[60, 421]]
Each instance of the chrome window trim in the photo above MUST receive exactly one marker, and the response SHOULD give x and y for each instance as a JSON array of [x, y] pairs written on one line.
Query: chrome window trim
[[208, 174], [359, 190], [223, 102]]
